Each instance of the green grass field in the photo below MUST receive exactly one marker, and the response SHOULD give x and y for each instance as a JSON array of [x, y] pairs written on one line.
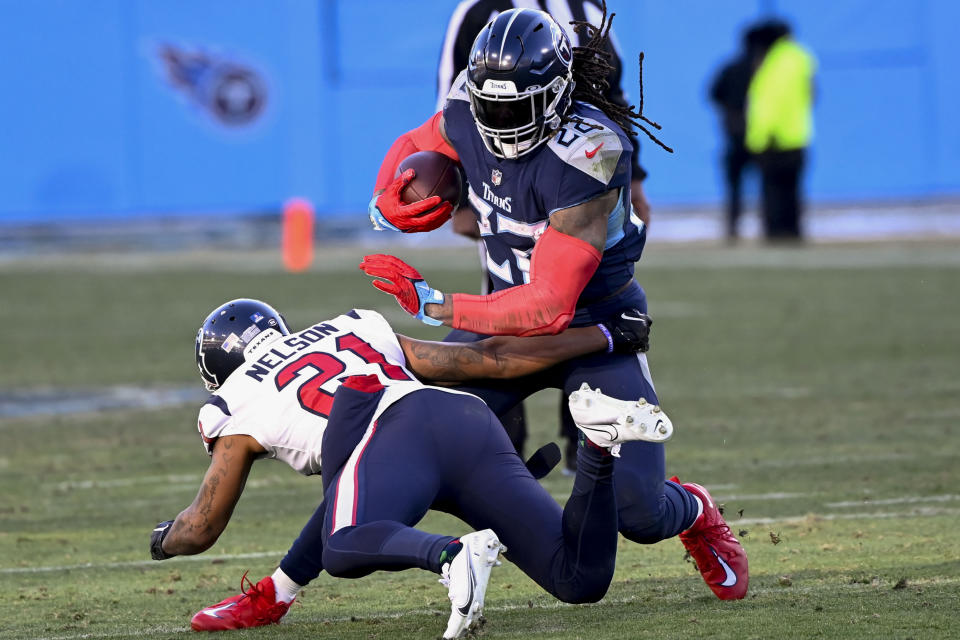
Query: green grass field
[[816, 391]]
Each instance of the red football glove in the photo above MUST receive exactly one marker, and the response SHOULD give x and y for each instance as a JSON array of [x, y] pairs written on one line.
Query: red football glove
[[423, 215], [404, 283]]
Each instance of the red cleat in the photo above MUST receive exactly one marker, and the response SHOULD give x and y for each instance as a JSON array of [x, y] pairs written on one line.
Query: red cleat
[[255, 607], [719, 556]]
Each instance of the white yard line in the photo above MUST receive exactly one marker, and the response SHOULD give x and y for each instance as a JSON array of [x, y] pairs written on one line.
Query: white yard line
[[53, 401], [139, 563], [130, 633], [814, 461], [919, 512], [777, 495], [181, 481], [296, 619], [870, 502], [71, 485]]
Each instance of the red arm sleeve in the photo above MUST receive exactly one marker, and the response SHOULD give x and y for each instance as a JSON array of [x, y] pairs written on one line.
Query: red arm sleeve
[[426, 137], [560, 268]]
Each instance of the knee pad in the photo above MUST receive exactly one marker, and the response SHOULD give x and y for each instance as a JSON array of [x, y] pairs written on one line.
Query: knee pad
[[590, 585], [338, 563]]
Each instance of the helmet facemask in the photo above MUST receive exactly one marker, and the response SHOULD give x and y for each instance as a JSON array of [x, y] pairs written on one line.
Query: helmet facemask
[[513, 123], [209, 377]]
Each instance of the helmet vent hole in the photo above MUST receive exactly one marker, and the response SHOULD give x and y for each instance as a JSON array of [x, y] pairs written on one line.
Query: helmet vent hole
[[232, 318], [538, 27]]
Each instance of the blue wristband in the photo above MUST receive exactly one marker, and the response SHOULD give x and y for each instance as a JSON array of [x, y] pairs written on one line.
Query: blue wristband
[[427, 295], [606, 332], [376, 218]]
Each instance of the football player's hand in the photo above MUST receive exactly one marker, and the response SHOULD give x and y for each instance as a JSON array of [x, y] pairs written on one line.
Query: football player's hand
[[638, 198], [629, 331], [404, 283], [388, 211], [156, 541]]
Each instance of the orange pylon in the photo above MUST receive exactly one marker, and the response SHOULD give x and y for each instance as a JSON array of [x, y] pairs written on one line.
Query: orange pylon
[[297, 234]]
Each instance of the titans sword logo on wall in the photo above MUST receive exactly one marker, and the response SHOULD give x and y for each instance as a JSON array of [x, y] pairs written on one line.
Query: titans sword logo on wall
[[232, 93]]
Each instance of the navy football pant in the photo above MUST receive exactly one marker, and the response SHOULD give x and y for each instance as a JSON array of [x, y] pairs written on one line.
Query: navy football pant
[[650, 508], [434, 449]]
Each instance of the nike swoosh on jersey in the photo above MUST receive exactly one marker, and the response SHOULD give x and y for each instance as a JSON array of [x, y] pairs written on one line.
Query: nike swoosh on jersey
[[213, 611], [590, 154], [731, 578], [465, 609]]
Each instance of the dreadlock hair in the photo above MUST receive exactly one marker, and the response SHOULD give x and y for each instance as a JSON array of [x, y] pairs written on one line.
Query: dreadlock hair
[[591, 67]]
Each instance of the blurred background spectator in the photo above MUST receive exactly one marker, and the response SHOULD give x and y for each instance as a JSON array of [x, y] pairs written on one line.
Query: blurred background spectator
[[779, 123], [728, 92]]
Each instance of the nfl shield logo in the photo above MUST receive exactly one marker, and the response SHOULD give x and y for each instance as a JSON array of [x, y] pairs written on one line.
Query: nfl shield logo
[[495, 176]]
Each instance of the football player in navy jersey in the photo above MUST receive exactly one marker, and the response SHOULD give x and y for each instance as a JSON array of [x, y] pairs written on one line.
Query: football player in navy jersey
[[547, 160], [467, 19]]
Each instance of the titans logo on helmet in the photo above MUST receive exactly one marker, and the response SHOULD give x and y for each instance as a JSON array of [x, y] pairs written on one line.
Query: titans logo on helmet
[[561, 45]]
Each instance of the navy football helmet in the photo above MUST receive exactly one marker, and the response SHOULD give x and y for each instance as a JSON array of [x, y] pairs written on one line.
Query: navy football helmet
[[226, 334], [519, 80]]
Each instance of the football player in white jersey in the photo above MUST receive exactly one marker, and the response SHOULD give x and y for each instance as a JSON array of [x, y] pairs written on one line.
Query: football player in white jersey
[[273, 397]]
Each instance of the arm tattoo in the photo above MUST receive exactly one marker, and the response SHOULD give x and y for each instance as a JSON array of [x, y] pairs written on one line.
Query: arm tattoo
[[450, 358], [207, 495]]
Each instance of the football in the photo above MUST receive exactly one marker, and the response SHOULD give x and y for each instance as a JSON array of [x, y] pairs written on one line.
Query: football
[[437, 175]]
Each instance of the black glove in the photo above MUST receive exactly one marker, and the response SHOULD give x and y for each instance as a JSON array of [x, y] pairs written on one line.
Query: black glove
[[156, 541], [543, 460], [629, 331]]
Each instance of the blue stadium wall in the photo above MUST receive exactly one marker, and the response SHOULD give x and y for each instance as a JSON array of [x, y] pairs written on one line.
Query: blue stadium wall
[[95, 121]]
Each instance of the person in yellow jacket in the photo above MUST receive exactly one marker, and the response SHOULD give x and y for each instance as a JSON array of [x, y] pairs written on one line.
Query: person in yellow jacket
[[779, 125]]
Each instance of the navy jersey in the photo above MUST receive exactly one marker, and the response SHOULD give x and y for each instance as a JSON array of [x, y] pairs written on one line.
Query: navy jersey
[[514, 199]]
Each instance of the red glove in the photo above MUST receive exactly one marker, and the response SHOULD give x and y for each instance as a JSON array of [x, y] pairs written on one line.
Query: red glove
[[423, 215], [404, 283]]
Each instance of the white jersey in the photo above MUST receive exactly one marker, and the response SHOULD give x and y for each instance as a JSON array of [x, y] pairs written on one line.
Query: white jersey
[[282, 394]]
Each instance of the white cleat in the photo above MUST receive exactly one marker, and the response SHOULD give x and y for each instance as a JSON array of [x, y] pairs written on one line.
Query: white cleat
[[609, 422], [466, 578]]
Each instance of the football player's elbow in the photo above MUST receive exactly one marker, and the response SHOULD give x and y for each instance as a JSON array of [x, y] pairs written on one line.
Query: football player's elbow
[[199, 537], [199, 541], [210, 538], [550, 322]]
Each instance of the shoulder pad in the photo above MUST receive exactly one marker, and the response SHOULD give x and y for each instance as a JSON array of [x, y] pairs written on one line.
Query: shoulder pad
[[589, 146], [213, 419], [458, 90], [372, 321], [367, 315]]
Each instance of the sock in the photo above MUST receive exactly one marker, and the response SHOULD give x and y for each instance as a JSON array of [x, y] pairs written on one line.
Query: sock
[[699, 510], [285, 588], [450, 551], [583, 442], [594, 468]]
